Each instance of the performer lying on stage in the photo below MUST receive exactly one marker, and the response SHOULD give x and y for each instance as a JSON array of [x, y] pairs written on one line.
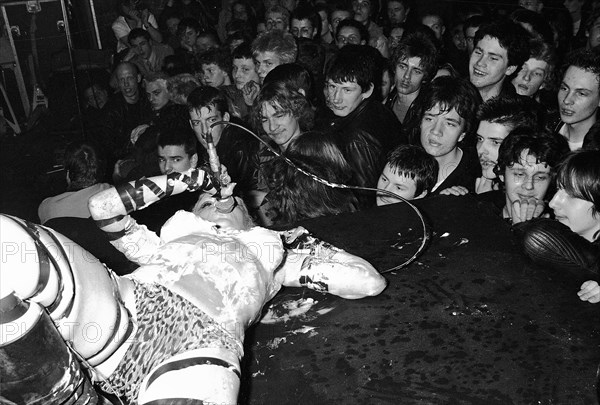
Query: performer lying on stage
[[173, 329], [571, 242]]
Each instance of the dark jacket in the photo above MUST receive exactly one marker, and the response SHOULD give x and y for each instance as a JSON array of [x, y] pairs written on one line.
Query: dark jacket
[[375, 119]]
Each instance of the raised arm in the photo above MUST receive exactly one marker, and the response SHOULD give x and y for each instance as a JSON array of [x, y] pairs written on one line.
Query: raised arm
[[110, 207], [320, 266]]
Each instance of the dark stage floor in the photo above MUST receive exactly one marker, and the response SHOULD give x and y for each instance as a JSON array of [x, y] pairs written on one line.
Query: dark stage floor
[[470, 322]]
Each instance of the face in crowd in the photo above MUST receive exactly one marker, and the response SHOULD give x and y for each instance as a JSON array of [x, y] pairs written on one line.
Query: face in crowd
[[343, 97], [526, 179], [489, 138], [280, 126], [174, 158], [441, 130], [201, 121], [578, 96]]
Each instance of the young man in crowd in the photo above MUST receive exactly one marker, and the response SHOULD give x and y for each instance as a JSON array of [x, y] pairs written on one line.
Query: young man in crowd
[[592, 30], [206, 106], [363, 127], [397, 11], [500, 50], [215, 65], [415, 62], [305, 23], [497, 118], [351, 32], [537, 70], [340, 10], [527, 160], [271, 49], [579, 96], [147, 55], [277, 18], [409, 172], [124, 112], [444, 115]]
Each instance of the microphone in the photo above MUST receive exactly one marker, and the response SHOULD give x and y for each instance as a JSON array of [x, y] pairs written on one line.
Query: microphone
[[223, 205]]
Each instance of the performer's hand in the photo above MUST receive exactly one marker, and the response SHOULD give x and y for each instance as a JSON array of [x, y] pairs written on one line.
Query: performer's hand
[[137, 131], [590, 291], [526, 209], [292, 234]]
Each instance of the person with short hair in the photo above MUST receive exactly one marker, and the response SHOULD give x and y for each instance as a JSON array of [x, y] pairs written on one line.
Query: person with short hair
[[215, 66], [351, 32], [305, 23], [497, 118], [245, 83], [124, 113], [500, 50], [363, 127], [409, 172], [207, 106], [339, 10], [133, 14], [397, 11], [277, 17], [470, 28], [207, 40], [273, 48], [527, 161], [146, 54], [579, 96]]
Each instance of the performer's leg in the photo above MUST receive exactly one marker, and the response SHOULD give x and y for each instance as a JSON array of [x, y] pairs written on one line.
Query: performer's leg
[[202, 376]]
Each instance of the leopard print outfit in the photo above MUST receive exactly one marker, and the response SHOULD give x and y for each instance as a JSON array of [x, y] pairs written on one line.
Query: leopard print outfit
[[168, 325]]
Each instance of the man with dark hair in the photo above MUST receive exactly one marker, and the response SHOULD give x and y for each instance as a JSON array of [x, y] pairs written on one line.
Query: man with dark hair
[[470, 28], [497, 118], [215, 66], [146, 54], [364, 128], [500, 50], [527, 160], [579, 96], [397, 11], [351, 32], [305, 23], [339, 10], [415, 63], [409, 172], [442, 121], [207, 106]]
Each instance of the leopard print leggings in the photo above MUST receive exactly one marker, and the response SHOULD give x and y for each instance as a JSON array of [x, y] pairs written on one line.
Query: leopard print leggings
[[167, 325]]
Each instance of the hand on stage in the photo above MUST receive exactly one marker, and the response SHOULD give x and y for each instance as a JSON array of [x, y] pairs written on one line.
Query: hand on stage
[[590, 291], [526, 209], [455, 190]]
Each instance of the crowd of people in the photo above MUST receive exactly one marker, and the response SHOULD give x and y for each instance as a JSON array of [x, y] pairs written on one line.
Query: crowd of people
[[499, 102]]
